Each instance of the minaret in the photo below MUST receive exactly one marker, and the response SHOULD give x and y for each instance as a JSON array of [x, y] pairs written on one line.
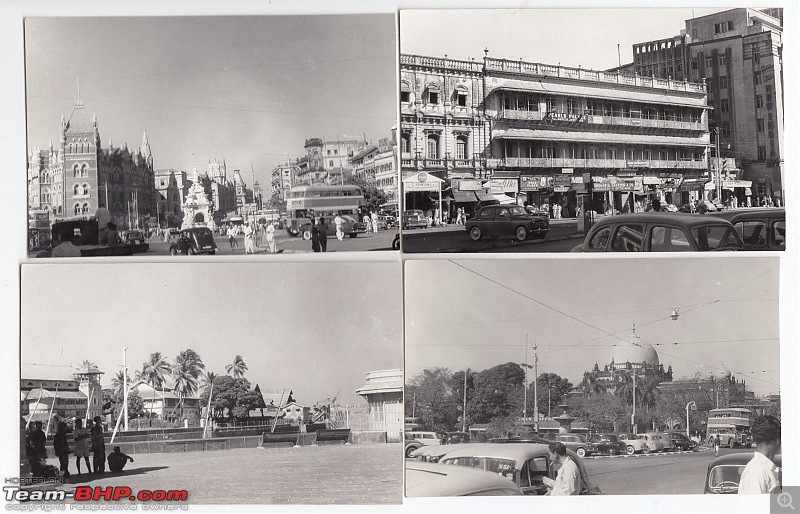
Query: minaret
[[89, 384], [96, 132], [145, 150]]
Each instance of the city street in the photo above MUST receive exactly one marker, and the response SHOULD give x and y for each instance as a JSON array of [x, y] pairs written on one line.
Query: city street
[[347, 474], [563, 236]]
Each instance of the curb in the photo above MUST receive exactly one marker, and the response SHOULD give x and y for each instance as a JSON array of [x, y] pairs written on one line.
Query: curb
[[638, 455], [505, 245]]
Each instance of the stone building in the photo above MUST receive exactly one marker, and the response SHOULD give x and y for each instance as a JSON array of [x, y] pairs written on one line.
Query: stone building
[[383, 392]]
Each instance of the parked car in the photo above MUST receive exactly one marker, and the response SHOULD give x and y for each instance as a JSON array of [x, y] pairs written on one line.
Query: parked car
[[660, 232], [418, 439], [434, 453], [607, 443], [414, 218], [633, 443], [654, 442], [193, 241], [576, 443], [760, 229], [725, 472], [669, 445], [524, 464], [424, 479], [457, 437], [136, 239], [523, 437], [350, 226], [679, 439], [507, 221]]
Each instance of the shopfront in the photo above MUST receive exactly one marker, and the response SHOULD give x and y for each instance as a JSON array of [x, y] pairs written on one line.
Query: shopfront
[[423, 191]]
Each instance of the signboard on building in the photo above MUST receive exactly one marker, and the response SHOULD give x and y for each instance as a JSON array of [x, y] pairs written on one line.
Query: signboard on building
[[422, 182], [637, 164], [470, 185], [532, 183], [730, 184], [502, 185], [567, 170]]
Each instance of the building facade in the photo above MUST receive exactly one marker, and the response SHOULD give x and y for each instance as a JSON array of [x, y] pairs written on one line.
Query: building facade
[[79, 177], [738, 53], [549, 134], [171, 189], [167, 405], [282, 178], [377, 165], [326, 162], [383, 392]]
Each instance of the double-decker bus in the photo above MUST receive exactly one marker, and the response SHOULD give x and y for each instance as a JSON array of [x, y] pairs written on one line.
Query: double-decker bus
[[732, 424], [322, 201]]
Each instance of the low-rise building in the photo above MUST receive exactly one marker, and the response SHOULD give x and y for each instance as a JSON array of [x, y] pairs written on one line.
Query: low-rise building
[[383, 392]]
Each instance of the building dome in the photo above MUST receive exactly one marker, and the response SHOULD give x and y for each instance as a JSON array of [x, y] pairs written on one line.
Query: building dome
[[722, 373], [632, 349]]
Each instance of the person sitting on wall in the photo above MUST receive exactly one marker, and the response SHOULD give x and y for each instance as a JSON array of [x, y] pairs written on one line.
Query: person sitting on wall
[[117, 460]]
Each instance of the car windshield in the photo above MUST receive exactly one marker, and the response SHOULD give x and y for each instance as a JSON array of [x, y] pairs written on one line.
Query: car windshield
[[725, 478], [204, 237], [504, 467], [716, 237], [517, 211]]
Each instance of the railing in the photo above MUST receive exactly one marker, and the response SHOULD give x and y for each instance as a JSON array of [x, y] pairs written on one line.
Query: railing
[[562, 162], [529, 68], [439, 164], [513, 114], [436, 62]]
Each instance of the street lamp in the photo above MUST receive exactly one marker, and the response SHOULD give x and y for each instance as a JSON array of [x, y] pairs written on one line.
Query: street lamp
[[674, 315], [693, 406]]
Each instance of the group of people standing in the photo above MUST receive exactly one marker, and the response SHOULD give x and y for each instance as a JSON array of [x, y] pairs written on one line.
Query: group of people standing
[[250, 231], [85, 441]]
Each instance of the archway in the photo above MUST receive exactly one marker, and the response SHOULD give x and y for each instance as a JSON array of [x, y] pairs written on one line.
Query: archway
[[199, 218]]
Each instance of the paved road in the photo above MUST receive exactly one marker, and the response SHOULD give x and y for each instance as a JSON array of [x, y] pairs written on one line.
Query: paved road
[[563, 237], [346, 474], [671, 473]]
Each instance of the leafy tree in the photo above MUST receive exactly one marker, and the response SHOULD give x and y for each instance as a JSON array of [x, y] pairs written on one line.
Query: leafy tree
[[135, 407], [233, 395], [276, 202], [430, 398], [456, 384], [603, 412], [154, 372], [373, 197], [498, 392], [237, 367], [552, 389], [591, 384]]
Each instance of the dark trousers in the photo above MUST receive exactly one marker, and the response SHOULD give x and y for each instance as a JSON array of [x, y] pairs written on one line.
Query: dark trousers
[[63, 459], [99, 460]]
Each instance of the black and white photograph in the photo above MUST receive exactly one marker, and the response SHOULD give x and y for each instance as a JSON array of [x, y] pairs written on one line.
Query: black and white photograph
[[205, 135], [660, 134], [655, 376], [257, 383]]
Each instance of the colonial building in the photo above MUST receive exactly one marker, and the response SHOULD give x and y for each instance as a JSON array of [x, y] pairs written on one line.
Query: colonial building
[[384, 394], [282, 178], [739, 55], [171, 189], [61, 394], [325, 161], [79, 176], [544, 133], [377, 164], [165, 403]]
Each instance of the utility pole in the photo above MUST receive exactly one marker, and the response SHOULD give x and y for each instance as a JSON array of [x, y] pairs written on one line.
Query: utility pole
[[525, 386], [464, 412], [125, 385], [535, 389], [633, 416], [719, 169]]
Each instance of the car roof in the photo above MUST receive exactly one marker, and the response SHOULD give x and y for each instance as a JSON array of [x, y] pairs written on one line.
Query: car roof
[[439, 450], [689, 220], [426, 479], [755, 213], [518, 452]]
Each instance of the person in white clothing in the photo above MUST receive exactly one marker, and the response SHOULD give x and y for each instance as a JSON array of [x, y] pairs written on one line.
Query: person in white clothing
[[249, 246], [270, 232], [374, 217], [568, 478], [761, 475], [339, 222]]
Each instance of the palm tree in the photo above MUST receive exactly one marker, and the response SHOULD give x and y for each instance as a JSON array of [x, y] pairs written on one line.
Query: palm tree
[[625, 387], [648, 393], [208, 379], [154, 372], [238, 367], [118, 384], [186, 374], [591, 385]]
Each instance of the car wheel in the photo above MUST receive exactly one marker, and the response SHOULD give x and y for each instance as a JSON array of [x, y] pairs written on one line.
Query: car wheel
[[475, 233], [191, 251], [307, 235], [581, 452], [173, 251], [410, 450], [521, 233], [353, 236], [646, 449], [612, 451], [630, 450]]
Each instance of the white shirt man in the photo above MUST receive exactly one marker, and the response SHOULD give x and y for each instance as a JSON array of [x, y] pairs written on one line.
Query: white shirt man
[[338, 221], [568, 478], [760, 476]]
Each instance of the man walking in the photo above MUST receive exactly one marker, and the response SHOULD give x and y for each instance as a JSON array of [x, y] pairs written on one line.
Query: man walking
[[232, 237], [761, 475], [323, 235], [61, 448], [314, 236], [81, 438], [270, 231], [98, 446], [716, 445], [339, 222]]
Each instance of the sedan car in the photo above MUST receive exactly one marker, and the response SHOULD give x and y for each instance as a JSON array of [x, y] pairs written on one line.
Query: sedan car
[[660, 232], [725, 472], [414, 218], [435, 453], [760, 229], [193, 241], [654, 442], [665, 439], [607, 443], [679, 440], [351, 227], [136, 239], [576, 443], [418, 439], [507, 221], [634, 443], [525, 464], [424, 479]]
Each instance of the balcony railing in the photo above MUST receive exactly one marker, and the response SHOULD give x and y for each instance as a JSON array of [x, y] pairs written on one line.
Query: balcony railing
[[562, 162], [421, 162], [436, 62], [513, 114]]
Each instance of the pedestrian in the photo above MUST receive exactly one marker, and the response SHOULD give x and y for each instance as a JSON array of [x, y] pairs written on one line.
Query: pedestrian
[[374, 217], [568, 478], [232, 238], [459, 216], [339, 222], [270, 231], [37, 455], [761, 475], [314, 236], [558, 211], [66, 246], [367, 221], [656, 205], [716, 445], [323, 235], [61, 448], [98, 446], [249, 245], [82, 440], [117, 460]]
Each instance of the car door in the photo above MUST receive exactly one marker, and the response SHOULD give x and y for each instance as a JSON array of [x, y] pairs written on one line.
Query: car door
[[777, 235], [502, 222], [484, 220], [664, 238], [531, 479]]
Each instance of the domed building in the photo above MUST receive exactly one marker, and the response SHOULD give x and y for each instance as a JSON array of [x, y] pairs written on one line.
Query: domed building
[[632, 355]]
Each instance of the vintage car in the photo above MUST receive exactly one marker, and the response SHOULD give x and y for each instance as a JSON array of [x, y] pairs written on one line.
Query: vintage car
[[136, 239], [525, 464], [350, 226], [666, 440], [194, 241], [576, 443], [457, 437], [607, 443], [634, 443], [654, 441], [417, 439], [725, 472], [660, 232], [507, 221], [679, 440], [424, 479], [760, 229], [414, 218], [435, 453]]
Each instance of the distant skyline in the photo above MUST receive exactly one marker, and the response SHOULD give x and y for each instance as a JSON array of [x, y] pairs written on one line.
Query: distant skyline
[[247, 89], [572, 37], [469, 314], [315, 328]]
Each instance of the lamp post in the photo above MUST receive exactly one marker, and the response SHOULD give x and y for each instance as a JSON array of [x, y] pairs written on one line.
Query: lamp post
[[693, 406]]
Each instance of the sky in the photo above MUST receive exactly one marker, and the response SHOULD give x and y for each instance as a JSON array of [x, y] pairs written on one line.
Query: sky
[[316, 328], [472, 313], [249, 90], [572, 37]]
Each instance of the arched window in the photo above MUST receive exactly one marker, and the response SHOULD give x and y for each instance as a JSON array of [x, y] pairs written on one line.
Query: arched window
[[432, 146], [76, 190], [461, 147], [77, 209], [46, 195], [84, 171], [86, 208], [86, 189], [75, 172]]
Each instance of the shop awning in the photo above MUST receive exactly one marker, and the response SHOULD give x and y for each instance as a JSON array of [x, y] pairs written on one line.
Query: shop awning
[[575, 136], [596, 90], [464, 196], [504, 199], [506, 174], [485, 197]]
